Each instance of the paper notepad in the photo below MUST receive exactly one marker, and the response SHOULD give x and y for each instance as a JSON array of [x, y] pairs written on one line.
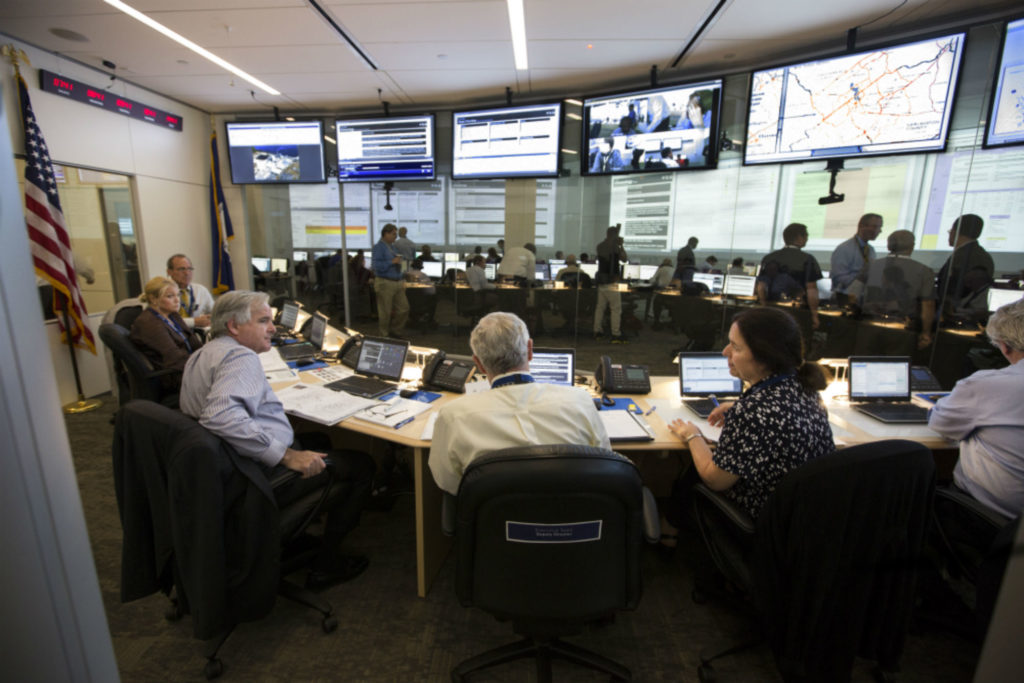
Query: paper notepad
[[623, 425]]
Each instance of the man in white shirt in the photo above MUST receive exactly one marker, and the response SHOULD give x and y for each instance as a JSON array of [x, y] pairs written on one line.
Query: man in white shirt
[[520, 263], [516, 411], [196, 300]]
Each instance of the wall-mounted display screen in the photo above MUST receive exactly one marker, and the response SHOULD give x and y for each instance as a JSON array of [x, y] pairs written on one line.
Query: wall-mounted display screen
[[1005, 125], [884, 101], [667, 129], [386, 149], [276, 152], [509, 142]]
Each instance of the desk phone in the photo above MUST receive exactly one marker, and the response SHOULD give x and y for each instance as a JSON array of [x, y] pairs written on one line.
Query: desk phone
[[622, 378], [448, 374]]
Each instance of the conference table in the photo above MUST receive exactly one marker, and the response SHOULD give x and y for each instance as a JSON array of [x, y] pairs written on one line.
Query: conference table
[[653, 457]]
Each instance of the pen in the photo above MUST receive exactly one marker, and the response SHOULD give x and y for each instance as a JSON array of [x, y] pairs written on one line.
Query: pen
[[653, 408], [405, 422], [714, 400]]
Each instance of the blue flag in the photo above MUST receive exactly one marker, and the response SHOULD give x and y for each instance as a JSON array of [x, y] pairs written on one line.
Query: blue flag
[[220, 224]]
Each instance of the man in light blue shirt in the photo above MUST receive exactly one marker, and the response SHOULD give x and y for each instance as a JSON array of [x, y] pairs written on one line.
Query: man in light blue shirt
[[850, 257], [392, 305]]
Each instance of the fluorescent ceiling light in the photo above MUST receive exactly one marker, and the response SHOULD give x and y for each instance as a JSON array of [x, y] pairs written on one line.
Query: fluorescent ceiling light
[[330, 139], [576, 102], [517, 19], [577, 117], [182, 40]]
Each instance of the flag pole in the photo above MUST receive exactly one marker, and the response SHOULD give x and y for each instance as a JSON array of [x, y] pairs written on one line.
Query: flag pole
[[82, 405]]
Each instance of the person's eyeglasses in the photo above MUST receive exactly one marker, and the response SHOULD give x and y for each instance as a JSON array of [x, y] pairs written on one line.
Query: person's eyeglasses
[[186, 268]]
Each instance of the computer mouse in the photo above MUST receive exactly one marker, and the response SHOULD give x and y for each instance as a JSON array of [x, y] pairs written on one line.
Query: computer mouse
[[407, 393], [304, 362]]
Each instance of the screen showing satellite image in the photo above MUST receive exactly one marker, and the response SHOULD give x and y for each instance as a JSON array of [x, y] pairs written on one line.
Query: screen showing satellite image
[[276, 152], [1006, 123], [885, 101]]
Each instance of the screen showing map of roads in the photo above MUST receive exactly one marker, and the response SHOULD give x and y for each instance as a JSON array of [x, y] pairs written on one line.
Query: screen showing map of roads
[[885, 101]]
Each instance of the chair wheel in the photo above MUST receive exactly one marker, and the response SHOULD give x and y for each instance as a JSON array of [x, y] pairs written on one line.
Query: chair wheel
[[329, 624], [213, 669], [705, 673]]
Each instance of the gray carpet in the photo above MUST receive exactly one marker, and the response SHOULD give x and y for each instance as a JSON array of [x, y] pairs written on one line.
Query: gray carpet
[[386, 633]]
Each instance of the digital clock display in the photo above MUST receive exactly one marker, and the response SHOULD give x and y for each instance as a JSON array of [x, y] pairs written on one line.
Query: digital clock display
[[90, 94]]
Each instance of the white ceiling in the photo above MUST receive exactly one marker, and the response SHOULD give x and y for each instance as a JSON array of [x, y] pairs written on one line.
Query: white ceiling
[[444, 53]]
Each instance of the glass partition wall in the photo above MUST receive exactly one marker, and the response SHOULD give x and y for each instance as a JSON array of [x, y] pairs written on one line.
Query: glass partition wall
[[736, 213]]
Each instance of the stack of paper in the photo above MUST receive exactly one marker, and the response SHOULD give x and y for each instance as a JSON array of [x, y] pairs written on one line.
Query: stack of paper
[[274, 367], [395, 413], [319, 404]]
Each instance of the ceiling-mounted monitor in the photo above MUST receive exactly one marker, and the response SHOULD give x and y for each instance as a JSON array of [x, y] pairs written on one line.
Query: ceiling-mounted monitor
[[507, 142], [665, 129], [386, 149], [269, 152], [883, 101], [1005, 125]]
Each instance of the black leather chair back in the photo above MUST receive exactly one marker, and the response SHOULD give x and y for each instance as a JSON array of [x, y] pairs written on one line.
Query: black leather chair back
[[136, 377], [126, 316], [549, 534]]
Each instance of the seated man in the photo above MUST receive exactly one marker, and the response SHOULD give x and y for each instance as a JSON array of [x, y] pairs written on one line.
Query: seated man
[[196, 301], [985, 413], [515, 412], [225, 389]]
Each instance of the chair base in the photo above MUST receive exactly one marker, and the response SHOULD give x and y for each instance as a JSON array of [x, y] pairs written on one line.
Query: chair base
[[706, 673], [544, 650]]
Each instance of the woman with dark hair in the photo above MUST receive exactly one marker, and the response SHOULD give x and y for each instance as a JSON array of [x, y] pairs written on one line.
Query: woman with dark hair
[[777, 424]]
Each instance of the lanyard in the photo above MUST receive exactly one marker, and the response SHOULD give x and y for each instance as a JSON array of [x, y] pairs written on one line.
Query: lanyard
[[765, 383], [174, 327], [518, 378]]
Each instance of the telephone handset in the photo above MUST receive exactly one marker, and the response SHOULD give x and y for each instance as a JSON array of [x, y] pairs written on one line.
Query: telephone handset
[[622, 378], [348, 354], [448, 374]]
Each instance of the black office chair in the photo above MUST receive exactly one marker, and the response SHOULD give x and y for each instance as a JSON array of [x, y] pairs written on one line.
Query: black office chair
[[830, 564], [173, 480], [136, 377], [549, 538], [975, 542]]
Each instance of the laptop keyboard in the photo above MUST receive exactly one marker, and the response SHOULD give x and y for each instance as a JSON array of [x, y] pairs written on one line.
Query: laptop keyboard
[[367, 387], [896, 412], [701, 406], [291, 352]]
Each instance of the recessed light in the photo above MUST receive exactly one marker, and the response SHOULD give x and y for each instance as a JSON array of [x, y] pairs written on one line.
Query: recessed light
[[68, 34]]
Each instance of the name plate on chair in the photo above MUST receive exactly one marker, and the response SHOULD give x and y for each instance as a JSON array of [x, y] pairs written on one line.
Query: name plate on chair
[[532, 532]]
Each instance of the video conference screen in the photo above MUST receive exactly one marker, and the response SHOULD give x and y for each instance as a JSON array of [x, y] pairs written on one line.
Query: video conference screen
[[386, 149], [1005, 125], [276, 152], [509, 142], [883, 101], [667, 129]]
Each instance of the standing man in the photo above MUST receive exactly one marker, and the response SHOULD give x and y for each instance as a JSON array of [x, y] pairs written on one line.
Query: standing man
[[790, 273], [854, 255], [610, 254], [405, 246], [685, 257], [225, 389], [388, 284], [196, 301], [517, 411], [520, 263], [967, 255]]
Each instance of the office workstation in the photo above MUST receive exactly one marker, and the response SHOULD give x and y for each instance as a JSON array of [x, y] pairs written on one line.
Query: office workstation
[[132, 204]]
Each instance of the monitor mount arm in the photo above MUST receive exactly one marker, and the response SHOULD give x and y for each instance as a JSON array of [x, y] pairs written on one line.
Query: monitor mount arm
[[833, 166], [388, 186]]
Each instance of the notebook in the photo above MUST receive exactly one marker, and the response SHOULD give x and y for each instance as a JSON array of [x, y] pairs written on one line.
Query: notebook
[[307, 350], [880, 388], [703, 375], [553, 366], [379, 366]]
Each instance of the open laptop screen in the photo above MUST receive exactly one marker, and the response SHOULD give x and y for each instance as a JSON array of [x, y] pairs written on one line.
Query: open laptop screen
[[706, 373], [289, 315], [1001, 297], [380, 357], [317, 330], [879, 377], [739, 285], [553, 366]]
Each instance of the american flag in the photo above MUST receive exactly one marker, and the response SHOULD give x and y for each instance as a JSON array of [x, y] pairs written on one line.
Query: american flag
[[47, 233]]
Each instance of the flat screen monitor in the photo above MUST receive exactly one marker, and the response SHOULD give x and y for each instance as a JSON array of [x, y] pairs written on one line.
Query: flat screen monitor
[[267, 152], [589, 268], [713, 281], [317, 330], [381, 357], [665, 129], [261, 263], [648, 271], [300, 256], [631, 271], [556, 265], [883, 101], [739, 285], [553, 366], [279, 265], [1001, 297], [509, 142], [320, 254], [433, 269], [451, 257], [879, 377], [491, 271], [706, 373], [541, 272], [386, 149], [1005, 125]]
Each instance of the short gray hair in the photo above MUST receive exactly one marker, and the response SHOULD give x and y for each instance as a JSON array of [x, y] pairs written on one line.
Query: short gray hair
[[901, 242], [500, 341], [1007, 325], [234, 306]]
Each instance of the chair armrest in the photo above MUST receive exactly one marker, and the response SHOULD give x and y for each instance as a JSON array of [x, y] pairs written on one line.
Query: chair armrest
[[652, 521], [447, 514], [973, 506], [161, 373], [728, 509], [286, 475]]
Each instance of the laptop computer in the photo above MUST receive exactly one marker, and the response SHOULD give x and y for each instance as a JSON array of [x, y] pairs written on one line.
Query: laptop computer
[[379, 366], [287, 320], [704, 378], [739, 286], [307, 350], [553, 366], [880, 388]]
